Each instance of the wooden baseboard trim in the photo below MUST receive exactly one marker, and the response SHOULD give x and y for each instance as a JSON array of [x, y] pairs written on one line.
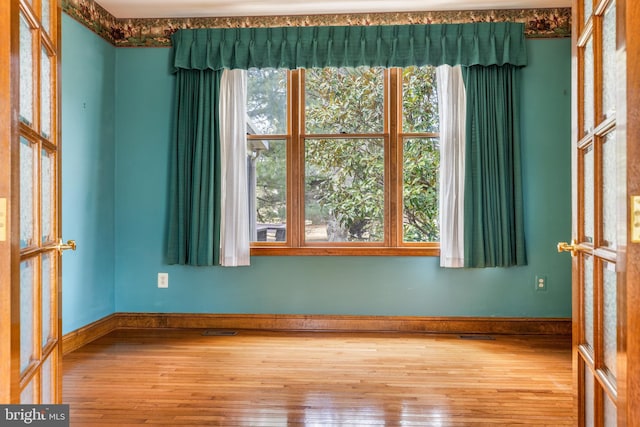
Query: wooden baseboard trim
[[318, 323], [91, 332], [343, 323]]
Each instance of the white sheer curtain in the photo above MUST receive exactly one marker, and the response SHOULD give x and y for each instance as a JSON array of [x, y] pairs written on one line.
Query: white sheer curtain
[[234, 210], [452, 109]]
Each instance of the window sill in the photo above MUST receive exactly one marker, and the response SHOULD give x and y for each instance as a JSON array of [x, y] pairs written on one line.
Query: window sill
[[345, 251]]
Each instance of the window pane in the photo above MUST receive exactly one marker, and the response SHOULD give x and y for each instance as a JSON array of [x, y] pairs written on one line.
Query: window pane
[[48, 272], [420, 190], [267, 102], [588, 190], [610, 314], [46, 15], [588, 294], [344, 190], [26, 72], [610, 412], [28, 162], [268, 190], [609, 61], [609, 189], [344, 100], [27, 396], [47, 381], [588, 9], [27, 307], [588, 88], [47, 204], [419, 100], [45, 94], [589, 397]]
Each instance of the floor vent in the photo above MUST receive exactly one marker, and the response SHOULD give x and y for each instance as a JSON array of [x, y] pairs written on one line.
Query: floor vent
[[477, 337], [219, 333]]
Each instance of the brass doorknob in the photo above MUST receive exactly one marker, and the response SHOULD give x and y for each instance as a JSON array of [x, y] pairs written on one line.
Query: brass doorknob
[[566, 247], [71, 244]]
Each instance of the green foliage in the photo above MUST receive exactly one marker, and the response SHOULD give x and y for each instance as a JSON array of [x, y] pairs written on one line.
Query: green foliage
[[419, 100], [421, 155], [267, 112], [344, 177], [420, 190], [344, 100], [267, 101], [271, 186]]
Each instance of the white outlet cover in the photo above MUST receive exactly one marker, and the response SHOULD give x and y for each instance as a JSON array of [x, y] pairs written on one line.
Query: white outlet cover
[[163, 280]]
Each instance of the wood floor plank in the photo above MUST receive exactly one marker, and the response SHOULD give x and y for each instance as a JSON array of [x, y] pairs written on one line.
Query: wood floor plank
[[181, 378]]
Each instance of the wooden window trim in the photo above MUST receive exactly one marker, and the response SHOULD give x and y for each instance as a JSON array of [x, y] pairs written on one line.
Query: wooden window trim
[[339, 250], [393, 136]]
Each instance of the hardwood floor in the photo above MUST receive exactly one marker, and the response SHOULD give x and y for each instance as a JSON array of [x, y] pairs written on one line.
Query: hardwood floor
[[182, 378]]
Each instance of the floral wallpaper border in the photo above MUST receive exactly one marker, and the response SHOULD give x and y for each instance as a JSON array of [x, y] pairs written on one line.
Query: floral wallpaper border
[[125, 32]]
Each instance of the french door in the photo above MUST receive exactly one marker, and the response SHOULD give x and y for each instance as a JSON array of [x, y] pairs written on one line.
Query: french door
[[605, 177], [596, 263], [30, 248]]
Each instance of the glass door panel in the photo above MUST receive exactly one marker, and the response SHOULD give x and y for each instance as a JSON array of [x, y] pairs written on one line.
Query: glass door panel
[[46, 100], [47, 301], [27, 312], [609, 61], [588, 8], [610, 412], [588, 302], [588, 194], [28, 188], [589, 398], [28, 394], [610, 319], [609, 190], [45, 16], [26, 71], [588, 88], [47, 380], [48, 202]]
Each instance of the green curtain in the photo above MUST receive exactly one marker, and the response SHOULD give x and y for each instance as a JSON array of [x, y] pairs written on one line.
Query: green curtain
[[492, 54], [194, 212], [485, 43], [493, 208]]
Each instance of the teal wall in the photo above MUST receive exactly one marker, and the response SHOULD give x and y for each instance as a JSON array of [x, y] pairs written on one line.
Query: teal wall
[[88, 166], [339, 285], [117, 114]]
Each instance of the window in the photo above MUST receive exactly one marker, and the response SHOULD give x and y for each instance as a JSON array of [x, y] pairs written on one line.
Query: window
[[343, 161], [267, 153]]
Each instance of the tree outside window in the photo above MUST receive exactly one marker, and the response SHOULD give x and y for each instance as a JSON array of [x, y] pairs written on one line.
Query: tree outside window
[[343, 169]]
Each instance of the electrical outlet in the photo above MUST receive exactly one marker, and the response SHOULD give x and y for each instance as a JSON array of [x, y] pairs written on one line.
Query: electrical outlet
[[163, 280], [541, 283], [635, 219]]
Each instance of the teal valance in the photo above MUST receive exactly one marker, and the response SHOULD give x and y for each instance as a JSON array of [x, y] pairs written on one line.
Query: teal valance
[[485, 44]]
